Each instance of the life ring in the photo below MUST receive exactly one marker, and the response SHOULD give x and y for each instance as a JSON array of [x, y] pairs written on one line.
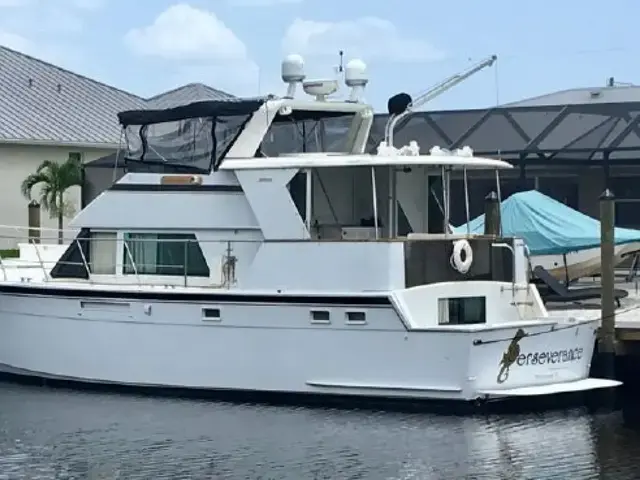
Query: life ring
[[457, 261]]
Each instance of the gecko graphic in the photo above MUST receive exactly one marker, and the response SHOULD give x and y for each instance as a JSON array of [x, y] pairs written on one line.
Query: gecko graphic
[[510, 356]]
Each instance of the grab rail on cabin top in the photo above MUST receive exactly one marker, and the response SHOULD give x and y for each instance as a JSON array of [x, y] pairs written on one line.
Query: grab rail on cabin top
[[228, 263]]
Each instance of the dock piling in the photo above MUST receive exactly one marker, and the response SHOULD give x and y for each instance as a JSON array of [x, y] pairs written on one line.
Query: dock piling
[[34, 221], [492, 215], [607, 331]]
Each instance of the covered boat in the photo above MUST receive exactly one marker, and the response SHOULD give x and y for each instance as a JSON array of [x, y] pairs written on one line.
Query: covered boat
[[560, 239]]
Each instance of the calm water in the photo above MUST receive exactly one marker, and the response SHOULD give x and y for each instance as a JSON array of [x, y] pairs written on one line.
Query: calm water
[[57, 434]]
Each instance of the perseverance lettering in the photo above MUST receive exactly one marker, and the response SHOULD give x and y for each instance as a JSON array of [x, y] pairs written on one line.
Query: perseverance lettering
[[543, 358]]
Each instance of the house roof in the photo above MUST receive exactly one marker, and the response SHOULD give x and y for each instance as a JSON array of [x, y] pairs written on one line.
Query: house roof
[[582, 96], [41, 103], [192, 92]]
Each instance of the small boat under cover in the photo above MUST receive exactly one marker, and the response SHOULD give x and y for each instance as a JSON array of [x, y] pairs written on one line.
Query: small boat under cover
[[562, 240]]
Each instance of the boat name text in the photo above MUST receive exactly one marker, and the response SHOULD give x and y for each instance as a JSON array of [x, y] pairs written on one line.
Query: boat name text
[[551, 357]]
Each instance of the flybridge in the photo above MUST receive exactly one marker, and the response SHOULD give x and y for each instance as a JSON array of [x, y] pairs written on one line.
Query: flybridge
[[196, 138]]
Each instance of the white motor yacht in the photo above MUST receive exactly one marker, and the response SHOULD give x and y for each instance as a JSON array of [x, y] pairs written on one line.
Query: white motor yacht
[[242, 254]]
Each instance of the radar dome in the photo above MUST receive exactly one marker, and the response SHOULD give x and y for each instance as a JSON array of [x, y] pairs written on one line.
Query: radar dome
[[356, 73], [293, 69]]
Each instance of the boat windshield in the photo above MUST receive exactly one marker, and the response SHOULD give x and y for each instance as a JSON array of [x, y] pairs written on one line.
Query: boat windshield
[[190, 138], [308, 132]]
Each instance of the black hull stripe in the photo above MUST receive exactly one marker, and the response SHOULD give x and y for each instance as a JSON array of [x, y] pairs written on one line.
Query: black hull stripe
[[214, 297], [144, 187]]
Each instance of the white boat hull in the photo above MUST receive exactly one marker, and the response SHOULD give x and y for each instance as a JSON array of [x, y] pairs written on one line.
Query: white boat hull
[[268, 344], [581, 264]]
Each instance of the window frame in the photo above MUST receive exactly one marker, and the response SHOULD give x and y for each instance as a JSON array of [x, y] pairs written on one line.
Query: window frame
[[160, 239], [447, 304]]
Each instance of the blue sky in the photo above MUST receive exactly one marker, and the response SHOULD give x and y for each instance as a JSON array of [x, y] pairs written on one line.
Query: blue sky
[[149, 46]]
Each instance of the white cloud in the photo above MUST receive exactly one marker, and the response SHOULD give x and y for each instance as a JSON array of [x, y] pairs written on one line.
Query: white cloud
[[88, 4], [183, 32], [14, 3], [78, 4], [201, 48], [40, 18], [63, 21], [46, 29], [366, 37], [259, 3], [66, 56], [15, 41]]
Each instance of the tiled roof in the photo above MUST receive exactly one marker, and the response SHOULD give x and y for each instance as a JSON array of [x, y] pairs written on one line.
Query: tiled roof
[[41, 102], [191, 92], [46, 104], [582, 96]]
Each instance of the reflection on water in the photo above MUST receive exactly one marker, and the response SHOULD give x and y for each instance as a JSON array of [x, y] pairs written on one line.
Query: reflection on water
[[57, 434]]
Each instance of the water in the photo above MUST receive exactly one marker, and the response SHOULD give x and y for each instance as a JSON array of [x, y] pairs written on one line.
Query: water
[[59, 434]]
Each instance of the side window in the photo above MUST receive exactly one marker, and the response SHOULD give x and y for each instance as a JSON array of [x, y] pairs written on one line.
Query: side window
[[167, 254], [71, 263], [462, 310], [102, 253]]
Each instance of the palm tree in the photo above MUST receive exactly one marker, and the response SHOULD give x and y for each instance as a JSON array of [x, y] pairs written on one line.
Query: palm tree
[[54, 179]]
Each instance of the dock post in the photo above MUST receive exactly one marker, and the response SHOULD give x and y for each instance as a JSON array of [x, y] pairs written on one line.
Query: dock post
[[604, 356], [607, 332], [34, 222], [492, 215]]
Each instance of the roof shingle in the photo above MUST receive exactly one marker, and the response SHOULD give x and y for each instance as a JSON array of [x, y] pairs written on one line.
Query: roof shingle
[[43, 103]]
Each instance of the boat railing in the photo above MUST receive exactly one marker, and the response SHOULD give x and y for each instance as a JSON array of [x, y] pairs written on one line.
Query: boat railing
[[157, 262], [12, 236], [215, 263]]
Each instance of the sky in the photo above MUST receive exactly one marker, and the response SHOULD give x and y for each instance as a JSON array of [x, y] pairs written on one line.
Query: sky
[[149, 46]]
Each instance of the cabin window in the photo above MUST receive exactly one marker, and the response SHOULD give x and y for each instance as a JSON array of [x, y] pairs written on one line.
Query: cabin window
[[102, 254], [462, 311], [166, 254], [211, 314], [320, 316], [356, 318], [71, 263]]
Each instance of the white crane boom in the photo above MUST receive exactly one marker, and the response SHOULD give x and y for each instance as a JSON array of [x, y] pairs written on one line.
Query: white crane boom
[[430, 94]]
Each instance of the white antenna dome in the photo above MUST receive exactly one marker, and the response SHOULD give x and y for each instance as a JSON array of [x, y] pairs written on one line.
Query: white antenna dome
[[355, 74], [293, 69]]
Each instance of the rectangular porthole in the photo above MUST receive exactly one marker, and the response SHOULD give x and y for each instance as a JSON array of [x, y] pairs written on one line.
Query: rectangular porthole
[[356, 318], [211, 315], [320, 316]]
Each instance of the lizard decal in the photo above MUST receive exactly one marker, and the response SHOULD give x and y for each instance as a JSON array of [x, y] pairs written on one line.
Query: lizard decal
[[510, 356]]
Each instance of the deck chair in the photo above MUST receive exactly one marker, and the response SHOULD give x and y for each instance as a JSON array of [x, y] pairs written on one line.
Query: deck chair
[[556, 291]]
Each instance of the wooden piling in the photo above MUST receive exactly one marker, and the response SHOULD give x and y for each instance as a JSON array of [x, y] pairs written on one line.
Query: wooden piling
[[492, 215], [34, 221], [607, 332]]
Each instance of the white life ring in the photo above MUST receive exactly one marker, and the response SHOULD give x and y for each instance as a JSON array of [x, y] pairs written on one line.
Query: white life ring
[[462, 264]]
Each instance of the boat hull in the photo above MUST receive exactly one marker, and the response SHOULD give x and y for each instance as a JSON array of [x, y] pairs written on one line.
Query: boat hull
[[581, 264], [270, 346]]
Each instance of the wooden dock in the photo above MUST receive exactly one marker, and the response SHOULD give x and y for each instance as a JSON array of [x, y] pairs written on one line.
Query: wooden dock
[[627, 315]]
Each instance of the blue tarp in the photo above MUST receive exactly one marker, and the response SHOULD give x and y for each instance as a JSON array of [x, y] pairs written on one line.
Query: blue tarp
[[547, 226]]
